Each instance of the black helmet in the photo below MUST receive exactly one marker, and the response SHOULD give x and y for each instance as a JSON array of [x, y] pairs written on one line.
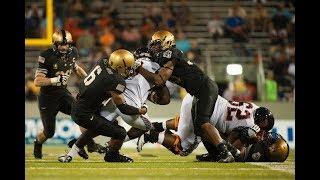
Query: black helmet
[[261, 114]]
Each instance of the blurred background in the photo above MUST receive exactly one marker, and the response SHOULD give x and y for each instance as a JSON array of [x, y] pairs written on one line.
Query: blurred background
[[246, 46]]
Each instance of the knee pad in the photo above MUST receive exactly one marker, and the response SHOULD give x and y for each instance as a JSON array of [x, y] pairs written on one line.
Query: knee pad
[[120, 133], [176, 147]]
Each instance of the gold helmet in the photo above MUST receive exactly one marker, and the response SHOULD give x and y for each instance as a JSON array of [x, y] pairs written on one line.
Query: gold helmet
[[278, 150], [61, 37], [165, 38], [122, 62]]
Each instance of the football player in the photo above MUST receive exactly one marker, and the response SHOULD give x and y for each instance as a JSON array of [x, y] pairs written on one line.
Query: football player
[[179, 70], [227, 115], [137, 91], [271, 147], [106, 80], [55, 66]]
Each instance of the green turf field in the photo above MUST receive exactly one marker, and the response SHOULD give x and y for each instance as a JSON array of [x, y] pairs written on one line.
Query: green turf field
[[150, 164]]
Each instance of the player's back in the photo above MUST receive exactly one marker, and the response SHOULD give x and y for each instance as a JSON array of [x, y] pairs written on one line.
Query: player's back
[[228, 115], [96, 87], [185, 73]]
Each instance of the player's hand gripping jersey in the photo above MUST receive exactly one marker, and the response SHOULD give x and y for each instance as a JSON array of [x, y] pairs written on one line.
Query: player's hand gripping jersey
[[226, 116]]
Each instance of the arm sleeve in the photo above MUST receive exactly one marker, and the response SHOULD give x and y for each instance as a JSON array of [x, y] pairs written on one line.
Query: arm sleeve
[[43, 65], [128, 110]]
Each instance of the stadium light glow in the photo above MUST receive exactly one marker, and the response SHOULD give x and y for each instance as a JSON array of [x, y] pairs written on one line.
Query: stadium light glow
[[234, 69]]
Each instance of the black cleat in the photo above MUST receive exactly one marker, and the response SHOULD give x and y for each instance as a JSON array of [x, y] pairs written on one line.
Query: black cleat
[[65, 159], [206, 158], [226, 157], [96, 148], [234, 151], [37, 150], [82, 153], [116, 157]]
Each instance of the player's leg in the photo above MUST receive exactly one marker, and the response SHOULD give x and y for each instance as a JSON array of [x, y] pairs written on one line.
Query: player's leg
[[48, 111], [65, 107], [171, 124], [202, 110], [97, 125], [140, 124]]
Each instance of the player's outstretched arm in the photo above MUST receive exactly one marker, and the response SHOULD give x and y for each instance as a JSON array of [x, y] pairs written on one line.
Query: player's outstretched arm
[[124, 108], [81, 73], [159, 78]]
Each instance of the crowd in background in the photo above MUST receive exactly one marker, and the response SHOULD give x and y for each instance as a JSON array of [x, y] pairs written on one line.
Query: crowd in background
[[97, 31]]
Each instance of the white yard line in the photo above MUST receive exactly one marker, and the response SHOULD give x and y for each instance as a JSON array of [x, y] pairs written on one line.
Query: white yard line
[[277, 166], [103, 168]]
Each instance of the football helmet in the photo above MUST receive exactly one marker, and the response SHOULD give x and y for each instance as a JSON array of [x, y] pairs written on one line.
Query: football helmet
[[61, 40], [122, 61], [260, 115], [161, 40], [278, 148]]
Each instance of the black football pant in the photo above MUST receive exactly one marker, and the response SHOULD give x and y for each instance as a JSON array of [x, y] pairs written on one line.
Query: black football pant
[[49, 106]]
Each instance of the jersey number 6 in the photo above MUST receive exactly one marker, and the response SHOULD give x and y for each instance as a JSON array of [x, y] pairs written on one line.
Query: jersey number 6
[[90, 78]]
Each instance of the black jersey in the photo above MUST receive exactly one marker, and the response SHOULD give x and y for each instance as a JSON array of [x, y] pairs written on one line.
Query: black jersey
[[185, 73], [52, 63], [96, 87]]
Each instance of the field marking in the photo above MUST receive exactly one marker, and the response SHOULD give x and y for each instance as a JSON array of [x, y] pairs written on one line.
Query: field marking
[[104, 168], [277, 167]]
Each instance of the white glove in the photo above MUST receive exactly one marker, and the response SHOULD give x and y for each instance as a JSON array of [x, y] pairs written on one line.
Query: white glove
[[64, 79], [61, 79], [255, 128]]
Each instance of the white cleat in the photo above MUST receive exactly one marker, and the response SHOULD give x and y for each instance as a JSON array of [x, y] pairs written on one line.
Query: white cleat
[[140, 143], [65, 159]]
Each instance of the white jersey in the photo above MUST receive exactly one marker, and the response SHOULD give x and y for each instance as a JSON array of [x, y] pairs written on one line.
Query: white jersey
[[226, 116], [137, 87], [135, 94]]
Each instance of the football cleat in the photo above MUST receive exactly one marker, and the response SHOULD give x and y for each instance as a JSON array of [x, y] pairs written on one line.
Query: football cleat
[[82, 153], [116, 157], [140, 143], [226, 157], [37, 150], [65, 158], [206, 158]]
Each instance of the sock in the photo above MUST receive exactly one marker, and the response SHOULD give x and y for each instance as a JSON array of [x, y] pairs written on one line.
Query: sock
[[73, 151], [164, 125], [161, 137]]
